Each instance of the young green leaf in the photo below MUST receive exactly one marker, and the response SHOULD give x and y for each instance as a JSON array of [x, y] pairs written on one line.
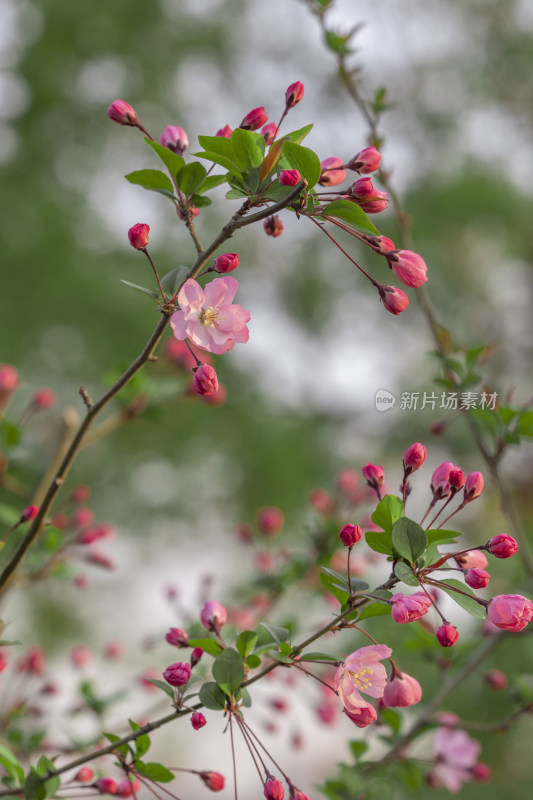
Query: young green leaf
[[228, 670], [142, 289], [409, 539], [249, 148], [212, 696], [173, 279], [154, 771], [246, 642], [351, 213], [153, 180], [304, 160], [389, 509], [404, 573], [172, 161], [191, 178], [207, 645], [379, 541]]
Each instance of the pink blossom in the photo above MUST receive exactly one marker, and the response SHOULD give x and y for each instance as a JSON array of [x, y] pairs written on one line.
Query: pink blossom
[[106, 785], [138, 235], [332, 172], [213, 616], [409, 267], [374, 204], [80, 656], [321, 501], [456, 479], [43, 398], [177, 637], [175, 138], [362, 716], [496, 679], [273, 789], [177, 674], [350, 535], [227, 262], [402, 690], [225, 132], [456, 755], [84, 775], [208, 318], [362, 672], [198, 720], [447, 635], [474, 485], [363, 189], [8, 378], [127, 787], [440, 485], [294, 94], [510, 612], [374, 475], [502, 546], [408, 608]]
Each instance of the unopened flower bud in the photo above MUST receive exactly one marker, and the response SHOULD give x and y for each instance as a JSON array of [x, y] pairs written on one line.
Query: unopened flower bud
[[273, 226], [121, 112], [80, 494], [205, 381], [496, 679], [378, 202], [382, 244], [472, 559], [80, 656], [106, 786], [447, 635], [196, 656], [138, 235], [29, 513], [175, 139], [297, 794], [365, 162], [84, 775], [332, 172], [8, 378], [177, 674], [350, 535], [254, 119], [409, 608], [42, 399], [198, 720], [394, 300], [268, 132], [414, 457], [213, 780], [374, 475], [363, 716], [362, 189], [274, 789], [270, 520], [401, 691], [440, 485], [409, 267], [127, 787], [225, 132], [502, 546], [177, 637], [456, 479], [510, 612], [213, 616], [289, 177], [227, 262], [294, 94], [477, 578], [474, 485]]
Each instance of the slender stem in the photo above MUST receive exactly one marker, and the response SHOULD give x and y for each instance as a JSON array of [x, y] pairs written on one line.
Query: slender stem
[[335, 242], [233, 756], [148, 256]]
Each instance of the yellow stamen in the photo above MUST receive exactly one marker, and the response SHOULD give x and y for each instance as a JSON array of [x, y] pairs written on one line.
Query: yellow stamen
[[209, 316], [360, 678]]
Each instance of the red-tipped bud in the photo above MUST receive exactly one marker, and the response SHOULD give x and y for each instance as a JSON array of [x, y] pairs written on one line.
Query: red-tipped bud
[[440, 485], [502, 546], [213, 780], [456, 479], [9, 378], [510, 612], [198, 720], [374, 475], [414, 457], [84, 775], [294, 94], [378, 202], [268, 132], [177, 674], [382, 244], [474, 485], [138, 235], [43, 398], [409, 267], [362, 189], [29, 513], [365, 162], [274, 789], [477, 578], [227, 262], [106, 786], [196, 656], [121, 112], [297, 794], [175, 139], [226, 132], [270, 520], [332, 172], [496, 679], [177, 637], [273, 226], [394, 300], [447, 635], [401, 691], [205, 381], [289, 177], [350, 535], [254, 119], [213, 616], [481, 772]]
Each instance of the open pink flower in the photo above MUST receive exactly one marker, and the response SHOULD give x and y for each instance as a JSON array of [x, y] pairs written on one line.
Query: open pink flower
[[362, 672], [207, 316], [456, 755]]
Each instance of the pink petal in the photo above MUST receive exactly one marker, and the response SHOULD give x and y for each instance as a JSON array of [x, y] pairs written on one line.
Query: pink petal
[[220, 292], [178, 324], [191, 297]]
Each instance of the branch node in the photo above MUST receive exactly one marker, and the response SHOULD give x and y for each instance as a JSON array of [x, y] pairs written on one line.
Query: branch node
[[84, 394]]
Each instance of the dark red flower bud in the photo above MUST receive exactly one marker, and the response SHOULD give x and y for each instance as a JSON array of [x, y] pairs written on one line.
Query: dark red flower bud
[[138, 235]]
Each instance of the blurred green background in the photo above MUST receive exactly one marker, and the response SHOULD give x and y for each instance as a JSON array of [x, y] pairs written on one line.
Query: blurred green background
[[301, 394]]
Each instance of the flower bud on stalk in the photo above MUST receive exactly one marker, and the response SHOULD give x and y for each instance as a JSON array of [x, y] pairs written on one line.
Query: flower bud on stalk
[[502, 546], [225, 132], [477, 578], [175, 138], [474, 485], [510, 612], [213, 780], [213, 616], [394, 300], [289, 177], [350, 535], [294, 95], [198, 720], [366, 161], [138, 235], [273, 789], [409, 267], [106, 786], [270, 520], [177, 674], [268, 132], [177, 637], [121, 112], [196, 656], [273, 226], [226, 262], [374, 476], [413, 458], [332, 172], [496, 679], [254, 119], [447, 635], [401, 691], [205, 380]]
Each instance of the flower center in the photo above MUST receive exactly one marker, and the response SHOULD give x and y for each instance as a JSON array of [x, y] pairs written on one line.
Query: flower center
[[362, 677], [209, 316]]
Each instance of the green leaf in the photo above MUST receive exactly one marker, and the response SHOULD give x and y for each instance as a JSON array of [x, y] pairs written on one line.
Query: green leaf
[[211, 182], [358, 749], [387, 512], [404, 573], [199, 201], [173, 279], [191, 178], [339, 44], [379, 541], [34, 788], [468, 603], [220, 145], [253, 661], [212, 696], [374, 610], [246, 642], [152, 179], [440, 536], [11, 764], [207, 645], [304, 160], [10, 434], [248, 147], [246, 699], [229, 165], [172, 161], [228, 670], [165, 687], [236, 194], [124, 749], [277, 633], [299, 135], [318, 656], [391, 718], [154, 771], [340, 579], [276, 192], [142, 742], [277, 656], [142, 289], [408, 539], [351, 213], [339, 593]]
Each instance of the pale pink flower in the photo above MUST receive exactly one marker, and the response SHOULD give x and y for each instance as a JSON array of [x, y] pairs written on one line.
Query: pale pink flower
[[456, 755], [207, 316], [362, 672]]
